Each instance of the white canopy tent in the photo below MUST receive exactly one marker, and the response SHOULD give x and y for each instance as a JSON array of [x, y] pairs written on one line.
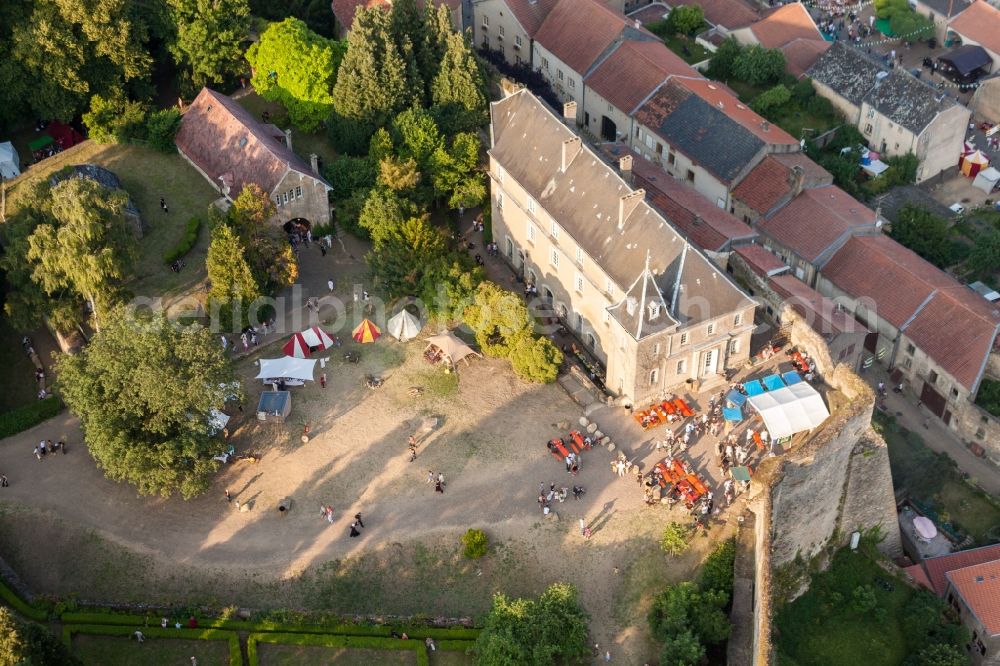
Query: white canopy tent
[[451, 346], [404, 326], [217, 421], [987, 179], [791, 409], [287, 368], [10, 162]]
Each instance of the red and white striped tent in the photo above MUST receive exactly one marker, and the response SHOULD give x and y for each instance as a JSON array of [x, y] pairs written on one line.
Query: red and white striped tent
[[305, 342]]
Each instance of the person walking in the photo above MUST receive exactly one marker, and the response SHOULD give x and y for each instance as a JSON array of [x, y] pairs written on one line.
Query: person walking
[[163, 205], [329, 283], [583, 527], [38, 454], [357, 519], [322, 380], [430, 476], [329, 514], [139, 636], [229, 498], [441, 478], [3, 481], [438, 488]]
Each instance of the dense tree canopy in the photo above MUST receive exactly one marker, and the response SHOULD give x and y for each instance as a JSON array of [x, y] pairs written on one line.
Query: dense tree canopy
[[759, 66], [925, 233], [143, 389], [234, 287], [30, 644], [209, 37], [457, 90]]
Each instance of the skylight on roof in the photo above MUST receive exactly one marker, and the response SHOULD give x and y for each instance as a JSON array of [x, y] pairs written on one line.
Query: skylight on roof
[[243, 142]]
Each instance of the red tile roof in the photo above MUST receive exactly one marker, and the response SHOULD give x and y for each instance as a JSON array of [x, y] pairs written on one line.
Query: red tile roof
[[981, 24], [937, 567], [784, 25], [731, 14], [227, 143], [814, 220], [634, 70], [529, 13], [821, 312], [760, 260], [722, 98], [801, 54], [771, 180], [579, 31], [979, 587], [651, 13], [919, 575]]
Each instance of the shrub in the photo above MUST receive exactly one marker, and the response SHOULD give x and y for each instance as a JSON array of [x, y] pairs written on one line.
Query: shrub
[[114, 119], [759, 66], [22, 418], [476, 544], [161, 127], [187, 242], [686, 19], [717, 571], [536, 359], [771, 99], [674, 539], [9, 597], [863, 599]]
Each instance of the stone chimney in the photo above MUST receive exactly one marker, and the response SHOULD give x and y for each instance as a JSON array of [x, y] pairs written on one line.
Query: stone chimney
[[314, 163], [288, 138], [627, 204], [569, 112], [570, 149], [625, 167], [796, 179]]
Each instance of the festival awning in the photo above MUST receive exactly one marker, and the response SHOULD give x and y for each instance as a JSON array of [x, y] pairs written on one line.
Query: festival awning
[[366, 332], [304, 342], [790, 410], [287, 367]]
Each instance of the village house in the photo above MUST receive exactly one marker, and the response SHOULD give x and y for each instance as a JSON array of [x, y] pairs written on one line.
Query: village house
[[979, 25], [344, 11], [773, 183], [941, 12], [509, 27], [231, 149], [792, 29], [897, 113], [654, 310]]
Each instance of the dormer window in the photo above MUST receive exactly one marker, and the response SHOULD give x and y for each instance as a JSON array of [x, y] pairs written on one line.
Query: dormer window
[[654, 310], [630, 305]]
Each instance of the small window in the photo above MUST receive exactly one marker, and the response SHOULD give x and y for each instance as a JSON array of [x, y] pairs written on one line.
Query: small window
[[654, 310], [910, 349], [298, 191], [932, 377], [868, 128], [738, 319], [486, 20], [559, 74], [609, 288], [684, 338], [572, 83], [500, 200], [545, 64], [954, 393], [654, 375], [501, 31], [690, 176], [871, 113], [500, 174], [607, 318], [554, 229], [734, 346], [908, 362], [656, 349], [284, 197], [531, 205], [659, 148], [671, 157], [711, 329], [243, 141], [517, 40], [578, 283], [579, 256], [680, 367], [277, 199], [554, 257], [531, 233], [611, 108]]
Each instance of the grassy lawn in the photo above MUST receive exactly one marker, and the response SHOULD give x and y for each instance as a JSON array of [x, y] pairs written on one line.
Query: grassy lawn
[[303, 143], [146, 175], [934, 481], [695, 52], [293, 655], [105, 650], [822, 628], [441, 658], [18, 370], [792, 117]]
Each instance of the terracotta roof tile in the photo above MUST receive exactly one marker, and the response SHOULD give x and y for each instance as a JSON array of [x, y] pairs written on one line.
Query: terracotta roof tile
[[919, 575], [633, 71], [801, 54], [731, 14], [579, 31], [821, 312], [651, 13], [979, 587], [760, 260], [784, 25], [937, 567], [530, 13], [812, 222], [772, 180], [227, 143], [980, 23]]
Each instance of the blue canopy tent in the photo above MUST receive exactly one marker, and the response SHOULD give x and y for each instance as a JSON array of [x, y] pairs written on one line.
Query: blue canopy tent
[[732, 410], [753, 388], [792, 378], [773, 382]]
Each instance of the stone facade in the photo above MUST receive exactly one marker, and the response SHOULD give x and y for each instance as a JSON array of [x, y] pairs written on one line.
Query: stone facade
[[495, 27], [298, 195]]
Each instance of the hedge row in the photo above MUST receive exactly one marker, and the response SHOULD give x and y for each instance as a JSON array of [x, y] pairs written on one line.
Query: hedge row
[[186, 243], [235, 655], [320, 640], [22, 418], [11, 598]]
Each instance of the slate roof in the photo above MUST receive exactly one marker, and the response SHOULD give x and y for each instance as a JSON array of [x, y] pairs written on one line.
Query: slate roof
[[944, 318], [980, 23], [899, 96], [937, 567], [896, 198], [704, 133], [814, 221], [772, 180], [761, 261], [579, 32], [801, 54], [946, 8], [723, 98], [230, 146], [821, 313], [785, 24], [98, 174], [585, 200], [633, 71], [979, 587]]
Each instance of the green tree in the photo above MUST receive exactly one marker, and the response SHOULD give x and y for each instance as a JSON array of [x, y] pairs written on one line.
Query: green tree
[[415, 134], [161, 128], [398, 175], [115, 119], [717, 571], [437, 29], [248, 216], [863, 599], [296, 67], [458, 89], [911, 26], [234, 287], [12, 648], [454, 172], [686, 19], [403, 256], [449, 285], [406, 29], [351, 174], [536, 359], [683, 649], [475, 544], [154, 434], [722, 62], [759, 66], [938, 654], [552, 629], [683, 607], [984, 260], [31, 644], [498, 318], [209, 37], [89, 248], [771, 99], [674, 539], [316, 13], [925, 233], [383, 214]]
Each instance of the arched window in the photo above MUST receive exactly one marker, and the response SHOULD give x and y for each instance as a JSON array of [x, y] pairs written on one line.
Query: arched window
[[654, 375]]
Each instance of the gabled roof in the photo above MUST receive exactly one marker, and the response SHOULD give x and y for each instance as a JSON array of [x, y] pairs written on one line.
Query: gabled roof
[[895, 93], [703, 132], [801, 54], [227, 143], [724, 99], [821, 313], [530, 13], [761, 261], [811, 223], [705, 224], [774, 179], [644, 310], [731, 14], [609, 220], [937, 567], [785, 24], [946, 8], [979, 587], [633, 71], [578, 32], [980, 23]]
